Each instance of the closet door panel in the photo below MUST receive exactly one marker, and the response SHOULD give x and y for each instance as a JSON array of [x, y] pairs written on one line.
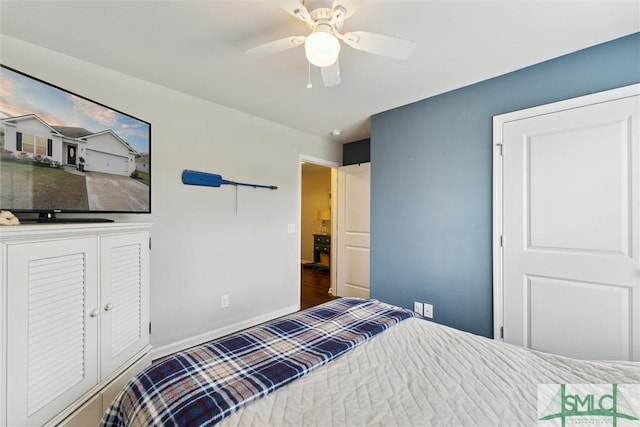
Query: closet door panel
[[124, 296], [53, 327]]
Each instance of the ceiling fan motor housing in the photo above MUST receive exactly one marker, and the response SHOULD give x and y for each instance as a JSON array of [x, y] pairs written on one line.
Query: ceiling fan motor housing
[[326, 16]]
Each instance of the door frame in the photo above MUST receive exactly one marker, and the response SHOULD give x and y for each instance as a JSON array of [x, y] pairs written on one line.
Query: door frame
[[498, 122], [334, 223]]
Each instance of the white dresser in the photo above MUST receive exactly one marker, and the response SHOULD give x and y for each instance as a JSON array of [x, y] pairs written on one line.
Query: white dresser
[[75, 319]]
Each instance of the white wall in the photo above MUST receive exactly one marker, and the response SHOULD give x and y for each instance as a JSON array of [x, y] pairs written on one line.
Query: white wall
[[201, 248]]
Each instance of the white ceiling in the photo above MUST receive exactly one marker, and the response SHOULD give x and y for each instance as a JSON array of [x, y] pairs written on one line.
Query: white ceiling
[[197, 47]]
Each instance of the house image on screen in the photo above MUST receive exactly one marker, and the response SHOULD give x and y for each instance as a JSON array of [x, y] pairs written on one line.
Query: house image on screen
[[103, 151]]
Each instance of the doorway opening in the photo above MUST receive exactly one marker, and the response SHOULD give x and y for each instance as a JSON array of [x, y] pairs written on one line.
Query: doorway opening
[[316, 225]]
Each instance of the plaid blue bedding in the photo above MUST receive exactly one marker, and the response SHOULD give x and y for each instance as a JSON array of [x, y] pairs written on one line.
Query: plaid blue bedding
[[205, 384]]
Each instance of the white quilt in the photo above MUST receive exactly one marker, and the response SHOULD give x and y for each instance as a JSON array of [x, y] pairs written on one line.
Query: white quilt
[[421, 373]]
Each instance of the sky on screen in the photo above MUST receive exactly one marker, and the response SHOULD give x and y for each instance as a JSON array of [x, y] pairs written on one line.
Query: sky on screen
[[21, 95]]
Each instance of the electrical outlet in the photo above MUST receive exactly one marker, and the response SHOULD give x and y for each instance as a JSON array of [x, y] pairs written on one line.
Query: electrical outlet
[[417, 307], [224, 301], [428, 311]]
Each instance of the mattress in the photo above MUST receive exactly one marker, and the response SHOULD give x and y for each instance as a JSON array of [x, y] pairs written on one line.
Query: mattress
[[422, 373], [355, 362]]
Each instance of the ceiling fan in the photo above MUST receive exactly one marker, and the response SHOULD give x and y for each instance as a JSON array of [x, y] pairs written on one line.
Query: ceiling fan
[[322, 46]]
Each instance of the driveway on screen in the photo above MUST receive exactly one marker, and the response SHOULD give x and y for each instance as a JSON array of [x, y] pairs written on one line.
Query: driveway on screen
[[110, 192]]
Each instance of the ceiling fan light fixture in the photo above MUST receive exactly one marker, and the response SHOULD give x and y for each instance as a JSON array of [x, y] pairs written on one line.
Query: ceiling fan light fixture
[[322, 48]]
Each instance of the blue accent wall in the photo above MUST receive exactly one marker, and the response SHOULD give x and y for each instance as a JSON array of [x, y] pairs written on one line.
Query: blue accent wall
[[431, 181]]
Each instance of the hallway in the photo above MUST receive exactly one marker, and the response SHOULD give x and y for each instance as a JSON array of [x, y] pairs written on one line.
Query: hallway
[[314, 287]]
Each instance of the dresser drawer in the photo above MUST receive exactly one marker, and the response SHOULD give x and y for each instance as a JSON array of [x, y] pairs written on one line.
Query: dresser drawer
[[321, 239]]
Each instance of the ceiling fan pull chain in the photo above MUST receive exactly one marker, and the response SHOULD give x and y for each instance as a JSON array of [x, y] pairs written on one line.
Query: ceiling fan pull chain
[[309, 85]]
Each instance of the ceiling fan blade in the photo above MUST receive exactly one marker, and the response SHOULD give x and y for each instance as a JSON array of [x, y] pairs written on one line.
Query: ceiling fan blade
[[276, 46], [296, 9], [331, 74], [345, 7], [379, 44]]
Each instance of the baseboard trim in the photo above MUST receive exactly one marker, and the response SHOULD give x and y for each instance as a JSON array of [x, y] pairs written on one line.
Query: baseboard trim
[[165, 350]]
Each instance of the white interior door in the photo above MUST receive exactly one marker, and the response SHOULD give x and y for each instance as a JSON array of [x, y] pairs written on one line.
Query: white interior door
[[571, 261], [354, 206]]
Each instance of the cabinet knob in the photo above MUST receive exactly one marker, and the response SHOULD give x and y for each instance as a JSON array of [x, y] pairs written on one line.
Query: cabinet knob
[[108, 307], [94, 313]]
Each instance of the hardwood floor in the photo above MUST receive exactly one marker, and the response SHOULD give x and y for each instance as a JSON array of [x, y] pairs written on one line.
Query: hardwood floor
[[314, 287]]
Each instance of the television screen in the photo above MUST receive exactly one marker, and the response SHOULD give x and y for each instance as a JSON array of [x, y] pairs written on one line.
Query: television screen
[[61, 152]]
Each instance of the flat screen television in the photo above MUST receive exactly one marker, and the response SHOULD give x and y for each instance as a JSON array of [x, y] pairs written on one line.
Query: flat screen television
[[63, 153]]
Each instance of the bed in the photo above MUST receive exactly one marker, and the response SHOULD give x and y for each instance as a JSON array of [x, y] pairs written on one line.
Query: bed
[[355, 362]]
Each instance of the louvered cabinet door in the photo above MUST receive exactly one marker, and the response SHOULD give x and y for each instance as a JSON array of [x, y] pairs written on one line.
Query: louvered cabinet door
[[52, 331], [124, 298]]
